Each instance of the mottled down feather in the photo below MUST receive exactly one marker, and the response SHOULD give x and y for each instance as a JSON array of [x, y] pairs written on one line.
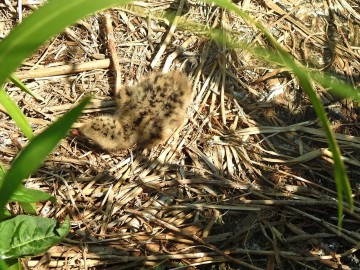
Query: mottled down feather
[[148, 113]]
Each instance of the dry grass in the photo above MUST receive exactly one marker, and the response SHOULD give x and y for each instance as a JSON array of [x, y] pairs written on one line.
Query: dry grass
[[246, 184]]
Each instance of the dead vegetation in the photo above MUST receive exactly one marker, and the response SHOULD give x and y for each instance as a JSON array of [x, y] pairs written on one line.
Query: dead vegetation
[[246, 184]]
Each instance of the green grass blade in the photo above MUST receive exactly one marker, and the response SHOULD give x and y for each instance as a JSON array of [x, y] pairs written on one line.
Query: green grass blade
[[22, 86], [4, 214], [41, 25], [341, 178], [29, 208], [15, 113], [2, 172], [32, 156], [336, 87], [27, 195], [342, 181]]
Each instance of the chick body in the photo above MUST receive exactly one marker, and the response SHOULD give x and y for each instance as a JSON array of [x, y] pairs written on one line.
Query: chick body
[[148, 113]]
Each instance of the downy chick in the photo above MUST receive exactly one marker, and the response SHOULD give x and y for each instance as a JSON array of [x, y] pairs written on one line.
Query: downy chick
[[148, 113]]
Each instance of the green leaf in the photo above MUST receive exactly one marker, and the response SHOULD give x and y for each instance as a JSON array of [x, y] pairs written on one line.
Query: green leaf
[[15, 113], [2, 172], [22, 86], [40, 26], [32, 156], [13, 264], [27, 195], [27, 235], [4, 214], [29, 208], [3, 265]]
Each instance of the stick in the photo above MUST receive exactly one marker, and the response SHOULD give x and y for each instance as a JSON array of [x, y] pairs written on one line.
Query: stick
[[112, 50], [62, 70], [169, 35], [65, 69]]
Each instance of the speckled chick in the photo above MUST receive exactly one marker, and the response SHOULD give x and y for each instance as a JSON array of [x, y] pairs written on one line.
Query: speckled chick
[[148, 113]]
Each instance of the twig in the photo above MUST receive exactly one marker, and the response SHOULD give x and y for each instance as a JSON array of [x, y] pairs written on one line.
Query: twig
[[112, 50], [178, 51], [62, 70], [65, 69], [19, 8], [169, 35]]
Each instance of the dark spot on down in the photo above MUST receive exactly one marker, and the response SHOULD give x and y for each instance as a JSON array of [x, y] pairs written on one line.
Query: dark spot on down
[[140, 118], [180, 102], [127, 128], [159, 88], [94, 127], [128, 92], [130, 106], [126, 138], [157, 125], [176, 99], [153, 96], [155, 135], [167, 85], [156, 78], [148, 88], [168, 106], [152, 102]]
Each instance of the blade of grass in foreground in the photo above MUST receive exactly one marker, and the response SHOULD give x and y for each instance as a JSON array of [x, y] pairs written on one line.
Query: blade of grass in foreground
[[42, 24], [16, 114], [22, 86], [341, 179], [337, 87], [32, 156]]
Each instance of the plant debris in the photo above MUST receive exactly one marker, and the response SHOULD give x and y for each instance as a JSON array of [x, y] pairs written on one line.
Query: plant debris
[[247, 182]]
